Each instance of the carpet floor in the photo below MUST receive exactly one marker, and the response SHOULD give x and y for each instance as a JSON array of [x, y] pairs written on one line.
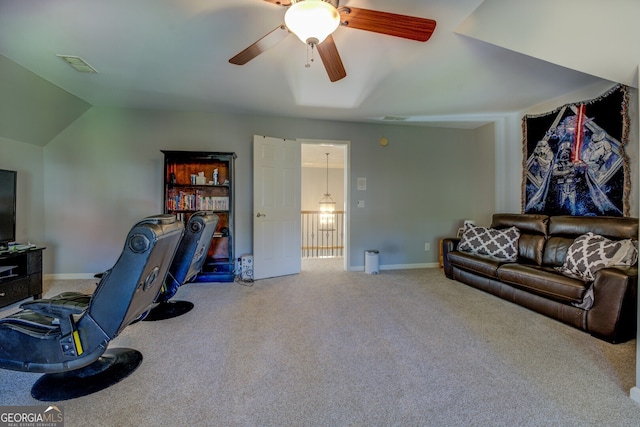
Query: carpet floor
[[332, 348]]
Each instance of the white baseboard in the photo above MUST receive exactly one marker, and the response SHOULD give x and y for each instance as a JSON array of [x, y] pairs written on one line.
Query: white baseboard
[[84, 276], [399, 266], [71, 276], [634, 393]]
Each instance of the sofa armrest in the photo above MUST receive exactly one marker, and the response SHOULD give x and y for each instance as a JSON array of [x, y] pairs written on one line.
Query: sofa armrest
[[613, 315], [448, 245]]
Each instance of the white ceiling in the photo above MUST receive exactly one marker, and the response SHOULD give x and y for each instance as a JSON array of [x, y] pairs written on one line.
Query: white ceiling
[[315, 155], [173, 54]]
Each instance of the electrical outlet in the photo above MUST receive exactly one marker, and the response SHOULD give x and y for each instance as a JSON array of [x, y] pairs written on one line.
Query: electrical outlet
[[427, 246]]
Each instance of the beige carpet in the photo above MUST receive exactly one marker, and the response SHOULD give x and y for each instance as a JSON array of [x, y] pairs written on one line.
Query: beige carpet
[[334, 348]]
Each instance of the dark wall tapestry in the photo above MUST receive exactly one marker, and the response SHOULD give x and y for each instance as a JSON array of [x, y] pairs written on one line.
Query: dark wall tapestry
[[574, 158]]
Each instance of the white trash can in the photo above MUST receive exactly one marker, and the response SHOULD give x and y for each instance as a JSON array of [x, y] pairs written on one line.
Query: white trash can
[[371, 259]]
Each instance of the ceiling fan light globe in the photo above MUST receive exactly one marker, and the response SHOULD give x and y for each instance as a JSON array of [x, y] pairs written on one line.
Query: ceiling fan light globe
[[312, 21]]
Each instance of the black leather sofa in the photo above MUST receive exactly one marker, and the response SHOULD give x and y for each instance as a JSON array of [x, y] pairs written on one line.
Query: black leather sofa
[[533, 280]]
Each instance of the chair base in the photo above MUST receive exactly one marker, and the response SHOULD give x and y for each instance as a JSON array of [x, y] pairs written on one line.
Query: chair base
[[168, 310], [113, 366]]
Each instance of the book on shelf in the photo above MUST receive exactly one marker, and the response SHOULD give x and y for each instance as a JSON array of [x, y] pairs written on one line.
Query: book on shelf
[[182, 201]]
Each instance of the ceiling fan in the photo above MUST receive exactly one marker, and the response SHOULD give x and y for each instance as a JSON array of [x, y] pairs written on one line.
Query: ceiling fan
[[314, 21]]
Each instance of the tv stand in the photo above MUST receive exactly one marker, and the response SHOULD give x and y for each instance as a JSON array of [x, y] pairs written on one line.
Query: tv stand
[[20, 275]]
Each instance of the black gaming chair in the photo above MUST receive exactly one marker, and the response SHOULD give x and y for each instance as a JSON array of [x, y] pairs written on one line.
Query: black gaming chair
[[66, 338], [186, 265]]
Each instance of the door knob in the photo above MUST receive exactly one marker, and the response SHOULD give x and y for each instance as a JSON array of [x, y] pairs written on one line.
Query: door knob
[[260, 214]]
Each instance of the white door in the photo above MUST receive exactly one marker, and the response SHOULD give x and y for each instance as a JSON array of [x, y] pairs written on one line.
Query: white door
[[276, 207]]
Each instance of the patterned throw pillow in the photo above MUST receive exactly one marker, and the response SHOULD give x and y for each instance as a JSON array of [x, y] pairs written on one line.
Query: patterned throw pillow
[[590, 252], [489, 241]]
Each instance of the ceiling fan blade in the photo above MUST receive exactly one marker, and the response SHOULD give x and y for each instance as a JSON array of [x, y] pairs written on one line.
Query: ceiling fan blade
[[331, 59], [392, 24], [279, 2], [266, 42]]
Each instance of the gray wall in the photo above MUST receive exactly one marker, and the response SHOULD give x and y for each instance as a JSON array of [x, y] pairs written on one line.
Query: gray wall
[[104, 172], [81, 190], [485, 189], [27, 160], [80, 193], [33, 110]]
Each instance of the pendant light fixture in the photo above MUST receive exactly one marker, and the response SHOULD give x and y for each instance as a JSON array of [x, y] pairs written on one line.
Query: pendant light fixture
[[327, 206]]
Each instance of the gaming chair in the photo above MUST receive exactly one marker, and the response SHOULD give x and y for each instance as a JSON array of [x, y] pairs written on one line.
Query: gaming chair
[[186, 265], [66, 338]]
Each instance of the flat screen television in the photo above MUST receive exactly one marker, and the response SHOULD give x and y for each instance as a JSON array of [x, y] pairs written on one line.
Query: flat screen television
[[7, 207]]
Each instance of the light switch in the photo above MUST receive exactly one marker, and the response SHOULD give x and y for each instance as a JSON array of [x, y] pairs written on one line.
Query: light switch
[[360, 203], [362, 183]]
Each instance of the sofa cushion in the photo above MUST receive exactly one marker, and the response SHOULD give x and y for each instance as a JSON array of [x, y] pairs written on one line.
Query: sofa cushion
[[531, 248], [544, 281], [488, 241], [591, 252], [526, 223], [555, 251], [533, 231], [611, 227], [478, 264]]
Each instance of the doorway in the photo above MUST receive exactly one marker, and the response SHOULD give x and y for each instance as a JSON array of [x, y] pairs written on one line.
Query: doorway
[[324, 202]]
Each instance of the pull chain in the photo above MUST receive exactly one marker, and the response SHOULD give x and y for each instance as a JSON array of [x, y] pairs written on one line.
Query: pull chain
[[309, 48]]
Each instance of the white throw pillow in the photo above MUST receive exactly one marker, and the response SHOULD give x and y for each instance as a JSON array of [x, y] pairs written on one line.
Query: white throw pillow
[[490, 241], [591, 252]]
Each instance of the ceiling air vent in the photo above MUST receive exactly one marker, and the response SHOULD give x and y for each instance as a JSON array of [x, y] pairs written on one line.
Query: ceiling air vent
[[394, 119], [78, 63]]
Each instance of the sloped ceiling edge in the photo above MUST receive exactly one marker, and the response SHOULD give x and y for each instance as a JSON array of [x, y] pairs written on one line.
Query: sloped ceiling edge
[[33, 110], [596, 38]]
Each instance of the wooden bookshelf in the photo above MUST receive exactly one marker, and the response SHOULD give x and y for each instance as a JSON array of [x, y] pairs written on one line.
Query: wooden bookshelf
[[204, 181]]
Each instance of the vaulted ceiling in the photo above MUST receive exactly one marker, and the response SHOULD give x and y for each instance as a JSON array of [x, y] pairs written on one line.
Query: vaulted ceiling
[[484, 58]]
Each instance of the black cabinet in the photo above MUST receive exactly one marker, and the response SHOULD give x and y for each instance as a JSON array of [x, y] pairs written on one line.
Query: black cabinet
[[20, 275], [203, 181]]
